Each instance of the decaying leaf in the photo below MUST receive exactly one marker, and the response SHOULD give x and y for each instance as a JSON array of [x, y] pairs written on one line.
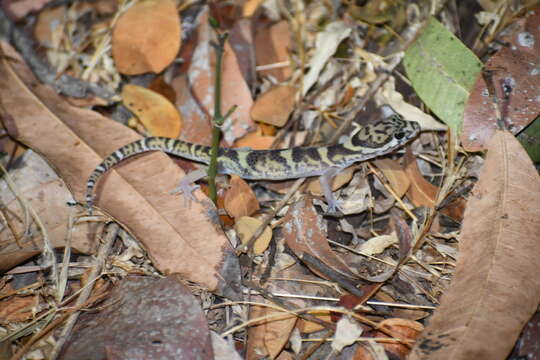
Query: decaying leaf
[[495, 289], [136, 193], [239, 199], [514, 73], [146, 37], [157, 114], [145, 318]]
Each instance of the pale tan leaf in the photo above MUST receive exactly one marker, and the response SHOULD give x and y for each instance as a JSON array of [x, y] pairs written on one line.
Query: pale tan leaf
[[246, 227], [156, 113], [495, 288], [137, 193], [146, 37]]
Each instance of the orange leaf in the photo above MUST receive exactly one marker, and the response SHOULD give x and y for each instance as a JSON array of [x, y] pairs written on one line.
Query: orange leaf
[[275, 105], [240, 199], [146, 37], [421, 192], [495, 287], [157, 114]]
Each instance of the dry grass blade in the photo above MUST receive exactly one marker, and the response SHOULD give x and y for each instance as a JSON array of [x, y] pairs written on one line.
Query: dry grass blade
[[495, 287]]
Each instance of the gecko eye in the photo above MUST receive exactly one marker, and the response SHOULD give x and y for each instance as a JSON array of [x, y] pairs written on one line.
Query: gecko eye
[[399, 135]]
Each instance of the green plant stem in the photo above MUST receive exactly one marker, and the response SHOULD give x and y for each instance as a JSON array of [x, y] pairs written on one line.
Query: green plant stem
[[218, 118]]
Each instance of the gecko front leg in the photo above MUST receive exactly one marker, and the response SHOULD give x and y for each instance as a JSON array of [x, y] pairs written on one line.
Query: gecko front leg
[[187, 185], [326, 184]]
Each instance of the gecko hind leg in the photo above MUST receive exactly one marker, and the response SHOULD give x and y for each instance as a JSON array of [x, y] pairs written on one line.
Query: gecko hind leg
[[326, 184], [187, 185]]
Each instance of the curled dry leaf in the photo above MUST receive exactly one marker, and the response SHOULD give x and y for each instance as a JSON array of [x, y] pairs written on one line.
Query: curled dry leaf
[[146, 38], [272, 46], [495, 288], [274, 106], [246, 226], [239, 199], [157, 114], [514, 70], [305, 232], [137, 192]]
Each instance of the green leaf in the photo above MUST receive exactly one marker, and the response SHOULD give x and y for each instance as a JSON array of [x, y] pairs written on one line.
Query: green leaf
[[530, 139], [442, 71]]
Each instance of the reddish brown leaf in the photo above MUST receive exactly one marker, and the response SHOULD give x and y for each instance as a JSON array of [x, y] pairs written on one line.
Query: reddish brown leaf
[[146, 37], [137, 193], [421, 192], [495, 288], [145, 318], [272, 45], [305, 233], [516, 68]]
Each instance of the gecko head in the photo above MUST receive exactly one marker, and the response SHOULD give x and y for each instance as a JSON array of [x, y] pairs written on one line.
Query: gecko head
[[384, 135]]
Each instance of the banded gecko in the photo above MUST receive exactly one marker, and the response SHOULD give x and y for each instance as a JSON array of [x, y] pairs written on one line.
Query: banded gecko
[[365, 143]]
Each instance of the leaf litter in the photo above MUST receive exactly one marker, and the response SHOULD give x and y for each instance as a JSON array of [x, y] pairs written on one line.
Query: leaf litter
[[404, 245]]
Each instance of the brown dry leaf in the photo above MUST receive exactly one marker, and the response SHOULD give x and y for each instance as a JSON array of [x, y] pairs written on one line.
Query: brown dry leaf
[[249, 7], [308, 327], [513, 67], [198, 87], [137, 192], [239, 199], [495, 287], [47, 194], [146, 37], [255, 140], [43, 27], [160, 86], [305, 232], [394, 173], [246, 226], [272, 46], [267, 338], [421, 192], [156, 113], [275, 106], [241, 40], [145, 318], [18, 309]]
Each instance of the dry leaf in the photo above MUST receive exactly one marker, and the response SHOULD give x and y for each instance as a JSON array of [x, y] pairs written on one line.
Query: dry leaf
[[515, 68], [495, 288], [421, 192], [255, 140], [378, 244], [272, 46], [305, 232], [274, 106], [137, 192], [146, 37], [308, 327], [145, 318], [41, 189], [268, 338], [246, 226], [156, 113], [314, 185], [160, 86], [18, 309], [394, 173], [239, 199], [347, 332]]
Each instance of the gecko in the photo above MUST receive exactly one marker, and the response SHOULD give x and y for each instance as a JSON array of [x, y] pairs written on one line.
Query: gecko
[[373, 140]]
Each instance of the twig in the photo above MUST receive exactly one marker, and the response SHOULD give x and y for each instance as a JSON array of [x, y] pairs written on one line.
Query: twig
[[103, 252]]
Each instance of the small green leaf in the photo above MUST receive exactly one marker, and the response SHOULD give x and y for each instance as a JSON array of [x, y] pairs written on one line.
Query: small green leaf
[[442, 71], [530, 139]]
